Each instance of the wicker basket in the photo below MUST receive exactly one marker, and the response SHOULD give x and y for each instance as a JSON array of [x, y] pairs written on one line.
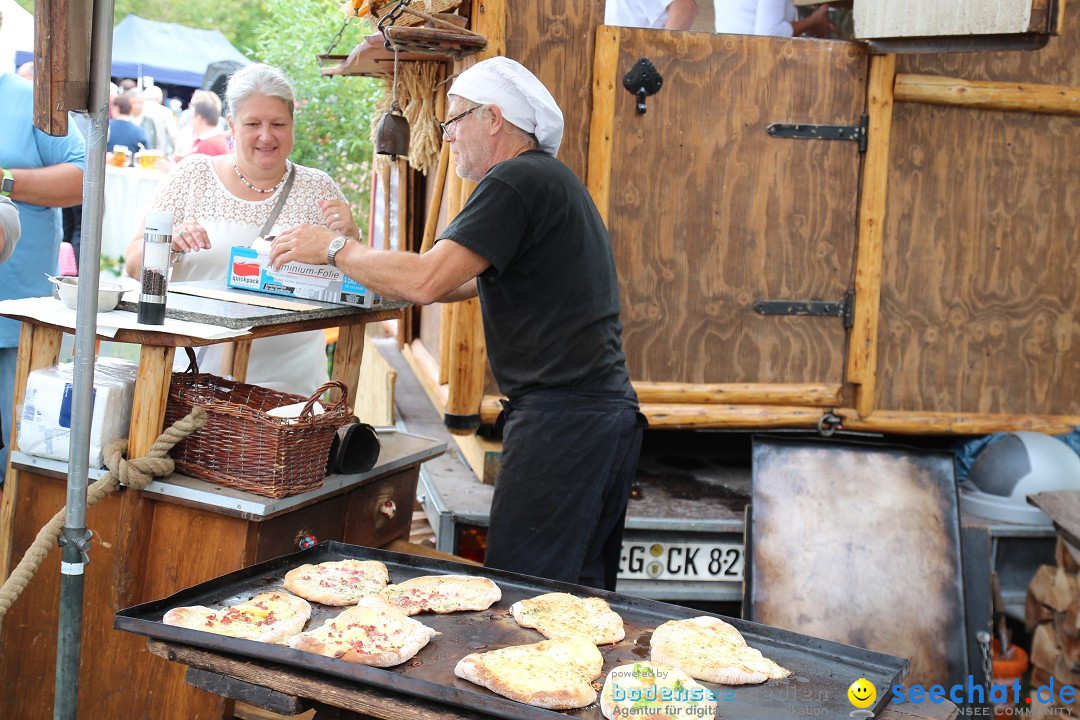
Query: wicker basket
[[244, 447], [405, 19]]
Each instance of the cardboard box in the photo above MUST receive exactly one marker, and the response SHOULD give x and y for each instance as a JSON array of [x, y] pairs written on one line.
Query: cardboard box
[[250, 269]]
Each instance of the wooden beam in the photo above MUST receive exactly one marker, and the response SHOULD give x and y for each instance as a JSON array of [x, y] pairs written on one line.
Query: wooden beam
[[862, 350], [986, 95], [348, 356], [39, 347], [824, 395], [602, 122], [431, 222], [919, 423], [427, 372], [468, 358], [489, 19], [404, 180], [730, 416], [482, 455], [446, 310], [136, 512]]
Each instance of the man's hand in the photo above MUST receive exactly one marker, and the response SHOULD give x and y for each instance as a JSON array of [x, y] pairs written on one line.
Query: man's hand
[[303, 243]]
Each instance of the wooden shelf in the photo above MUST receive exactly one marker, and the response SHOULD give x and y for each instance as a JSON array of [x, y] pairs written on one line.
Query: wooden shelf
[[370, 58]]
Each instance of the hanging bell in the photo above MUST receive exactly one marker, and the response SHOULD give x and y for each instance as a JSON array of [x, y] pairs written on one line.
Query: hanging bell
[[392, 134]]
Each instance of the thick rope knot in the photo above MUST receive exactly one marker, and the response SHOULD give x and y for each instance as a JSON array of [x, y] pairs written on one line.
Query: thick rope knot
[[136, 474]]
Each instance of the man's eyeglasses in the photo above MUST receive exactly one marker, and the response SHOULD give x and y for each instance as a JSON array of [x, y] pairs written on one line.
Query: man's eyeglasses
[[444, 126]]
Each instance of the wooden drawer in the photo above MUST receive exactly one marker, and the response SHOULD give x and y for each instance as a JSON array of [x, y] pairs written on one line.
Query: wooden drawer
[[281, 535], [382, 512]]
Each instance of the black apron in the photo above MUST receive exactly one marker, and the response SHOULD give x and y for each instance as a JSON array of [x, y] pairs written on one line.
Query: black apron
[[564, 480]]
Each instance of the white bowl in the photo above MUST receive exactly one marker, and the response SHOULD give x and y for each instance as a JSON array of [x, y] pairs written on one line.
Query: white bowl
[[109, 293]]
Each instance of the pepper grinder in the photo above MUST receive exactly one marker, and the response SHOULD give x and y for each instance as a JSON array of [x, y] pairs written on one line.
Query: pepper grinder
[[157, 253]]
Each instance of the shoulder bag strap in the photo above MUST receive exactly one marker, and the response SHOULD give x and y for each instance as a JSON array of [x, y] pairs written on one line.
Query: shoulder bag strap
[[280, 203]]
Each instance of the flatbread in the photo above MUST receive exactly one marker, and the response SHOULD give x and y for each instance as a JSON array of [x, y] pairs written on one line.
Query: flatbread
[[267, 617], [442, 594], [371, 633], [340, 582], [647, 691], [552, 674], [710, 649], [561, 615]]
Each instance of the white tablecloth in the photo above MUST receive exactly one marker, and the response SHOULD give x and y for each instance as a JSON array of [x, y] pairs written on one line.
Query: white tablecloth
[[127, 192]]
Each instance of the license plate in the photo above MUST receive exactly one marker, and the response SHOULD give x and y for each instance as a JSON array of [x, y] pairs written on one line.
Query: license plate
[[681, 561]]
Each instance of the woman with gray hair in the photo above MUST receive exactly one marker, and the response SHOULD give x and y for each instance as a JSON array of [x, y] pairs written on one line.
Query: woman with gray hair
[[224, 201]]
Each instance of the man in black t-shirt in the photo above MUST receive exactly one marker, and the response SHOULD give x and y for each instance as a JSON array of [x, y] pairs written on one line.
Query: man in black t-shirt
[[531, 243]]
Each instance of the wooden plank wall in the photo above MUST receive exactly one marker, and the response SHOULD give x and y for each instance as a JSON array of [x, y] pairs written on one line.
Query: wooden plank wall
[[981, 281], [555, 41], [709, 214]]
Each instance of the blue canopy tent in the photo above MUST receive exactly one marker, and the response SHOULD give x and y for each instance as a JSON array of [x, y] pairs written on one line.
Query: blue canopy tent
[[171, 54]]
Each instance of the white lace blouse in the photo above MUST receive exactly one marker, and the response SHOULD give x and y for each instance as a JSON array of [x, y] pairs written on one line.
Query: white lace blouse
[[293, 363]]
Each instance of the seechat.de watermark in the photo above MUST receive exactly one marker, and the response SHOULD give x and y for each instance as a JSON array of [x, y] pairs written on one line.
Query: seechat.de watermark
[[1007, 697]]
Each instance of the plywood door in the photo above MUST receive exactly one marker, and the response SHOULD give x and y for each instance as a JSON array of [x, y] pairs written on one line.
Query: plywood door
[[981, 277], [709, 214]]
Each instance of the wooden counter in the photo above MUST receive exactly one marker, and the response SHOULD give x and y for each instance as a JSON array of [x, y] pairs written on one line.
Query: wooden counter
[[289, 691], [176, 533]]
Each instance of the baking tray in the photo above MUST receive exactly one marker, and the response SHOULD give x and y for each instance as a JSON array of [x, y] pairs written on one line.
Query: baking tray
[[821, 670]]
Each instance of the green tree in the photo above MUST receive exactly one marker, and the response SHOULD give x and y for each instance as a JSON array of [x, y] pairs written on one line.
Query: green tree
[[333, 118], [237, 21]]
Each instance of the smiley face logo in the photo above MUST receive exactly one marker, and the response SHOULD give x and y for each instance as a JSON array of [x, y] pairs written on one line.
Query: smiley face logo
[[862, 693]]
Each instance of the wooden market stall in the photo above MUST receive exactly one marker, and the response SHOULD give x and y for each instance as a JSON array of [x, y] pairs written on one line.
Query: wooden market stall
[[179, 531], [915, 276]]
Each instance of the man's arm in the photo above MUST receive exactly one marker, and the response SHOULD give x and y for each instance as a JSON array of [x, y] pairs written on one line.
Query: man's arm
[[52, 186], [445, 273], [681, 14]]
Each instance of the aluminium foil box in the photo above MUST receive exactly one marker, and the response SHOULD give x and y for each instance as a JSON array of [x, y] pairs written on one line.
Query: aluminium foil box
[[250, 269]]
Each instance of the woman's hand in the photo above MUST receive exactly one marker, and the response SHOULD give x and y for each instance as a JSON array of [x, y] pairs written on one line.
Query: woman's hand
[[190, 236], [338, 217]]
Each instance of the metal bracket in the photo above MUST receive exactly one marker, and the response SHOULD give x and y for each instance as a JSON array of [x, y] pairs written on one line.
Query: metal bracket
[[809, 131], [842, 309], [81, 543], [643, 80]]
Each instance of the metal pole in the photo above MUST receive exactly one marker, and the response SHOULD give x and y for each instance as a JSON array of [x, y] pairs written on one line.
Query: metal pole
[[75, 540]]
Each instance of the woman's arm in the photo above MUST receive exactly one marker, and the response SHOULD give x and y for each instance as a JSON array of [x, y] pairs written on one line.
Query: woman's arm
[[681, 14]]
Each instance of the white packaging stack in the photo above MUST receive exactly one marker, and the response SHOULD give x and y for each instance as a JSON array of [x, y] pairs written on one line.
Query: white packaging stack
[[46, 417]]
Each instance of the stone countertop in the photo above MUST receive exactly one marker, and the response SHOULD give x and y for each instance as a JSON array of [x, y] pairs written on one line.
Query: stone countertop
[[238, 315]]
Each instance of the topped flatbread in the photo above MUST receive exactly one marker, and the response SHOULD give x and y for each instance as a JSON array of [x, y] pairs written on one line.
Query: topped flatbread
[[552, 674], [712, 650], [371, 633], [340, 582], [561, 615], [647, 691], [268, 617], [442, 594]]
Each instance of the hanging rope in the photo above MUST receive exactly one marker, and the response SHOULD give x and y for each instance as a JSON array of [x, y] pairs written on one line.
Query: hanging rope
[[135, 474]]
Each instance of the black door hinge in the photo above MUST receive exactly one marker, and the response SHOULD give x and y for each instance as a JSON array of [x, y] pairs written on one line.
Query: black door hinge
[[843, 309], [810, 131]]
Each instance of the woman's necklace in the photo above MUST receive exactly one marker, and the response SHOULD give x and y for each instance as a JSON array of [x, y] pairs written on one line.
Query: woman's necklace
[[288, 167]]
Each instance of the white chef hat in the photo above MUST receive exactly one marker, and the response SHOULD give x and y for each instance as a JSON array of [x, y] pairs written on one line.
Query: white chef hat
[[523, 99]]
